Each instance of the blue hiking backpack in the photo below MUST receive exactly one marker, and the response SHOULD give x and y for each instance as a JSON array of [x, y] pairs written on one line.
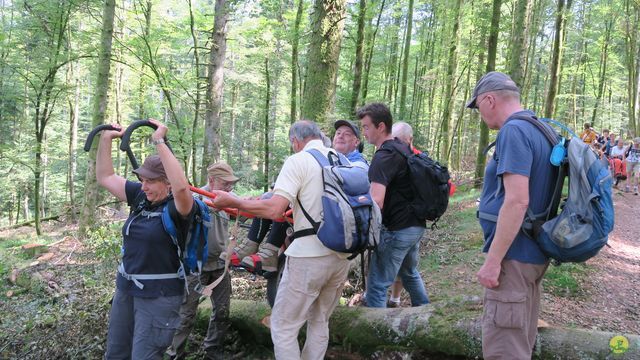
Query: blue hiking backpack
[[192, 249], [586, 217], [350, 218]]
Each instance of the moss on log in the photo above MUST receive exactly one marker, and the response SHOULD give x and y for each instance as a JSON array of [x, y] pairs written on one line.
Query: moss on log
[[452, 329]]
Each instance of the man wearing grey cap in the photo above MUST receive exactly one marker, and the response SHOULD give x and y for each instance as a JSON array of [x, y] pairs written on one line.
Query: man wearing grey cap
[[517, 177], [347, 141]]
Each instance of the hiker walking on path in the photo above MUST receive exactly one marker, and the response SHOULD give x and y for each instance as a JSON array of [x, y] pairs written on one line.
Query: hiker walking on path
[[220, 177], [145, 312], [313, 275], [397, 252], [589, 136], [518, 176]]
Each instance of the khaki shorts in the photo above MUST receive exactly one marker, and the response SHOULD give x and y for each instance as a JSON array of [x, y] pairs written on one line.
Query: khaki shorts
[[510, 316], [633, 168]]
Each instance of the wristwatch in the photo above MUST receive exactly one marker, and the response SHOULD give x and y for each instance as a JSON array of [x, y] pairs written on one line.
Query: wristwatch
[[157, 141]]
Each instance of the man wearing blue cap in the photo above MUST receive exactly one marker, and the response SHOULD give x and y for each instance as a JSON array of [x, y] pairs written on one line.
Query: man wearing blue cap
[[517, 177]]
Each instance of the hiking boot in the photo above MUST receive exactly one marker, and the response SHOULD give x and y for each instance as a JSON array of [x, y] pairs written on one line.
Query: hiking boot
[[635, 190], [266, 260], [393, 304], [246, 248]]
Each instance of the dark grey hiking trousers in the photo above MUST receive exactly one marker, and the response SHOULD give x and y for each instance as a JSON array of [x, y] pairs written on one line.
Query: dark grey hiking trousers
[[141, 328]]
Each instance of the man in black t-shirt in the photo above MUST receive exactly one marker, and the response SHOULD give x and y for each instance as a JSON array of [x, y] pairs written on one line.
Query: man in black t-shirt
[[398, 250]]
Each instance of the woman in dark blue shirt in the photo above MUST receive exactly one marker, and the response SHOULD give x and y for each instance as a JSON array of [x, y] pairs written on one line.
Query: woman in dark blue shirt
[[150, 281]]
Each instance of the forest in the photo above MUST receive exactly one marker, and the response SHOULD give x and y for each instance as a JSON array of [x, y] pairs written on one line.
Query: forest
[[229, 76]]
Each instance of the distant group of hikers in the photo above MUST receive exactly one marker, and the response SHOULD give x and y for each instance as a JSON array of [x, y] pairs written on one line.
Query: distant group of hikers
[[623, 156], [153, 311]]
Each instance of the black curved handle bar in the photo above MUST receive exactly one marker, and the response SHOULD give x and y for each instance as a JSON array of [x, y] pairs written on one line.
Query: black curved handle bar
[[125, 144], [92, 134]]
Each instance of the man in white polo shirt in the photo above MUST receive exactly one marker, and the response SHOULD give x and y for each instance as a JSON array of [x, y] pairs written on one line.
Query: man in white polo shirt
[[314, 275]]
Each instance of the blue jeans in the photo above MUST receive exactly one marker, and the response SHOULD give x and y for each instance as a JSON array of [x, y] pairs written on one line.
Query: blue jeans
[[396, 255]]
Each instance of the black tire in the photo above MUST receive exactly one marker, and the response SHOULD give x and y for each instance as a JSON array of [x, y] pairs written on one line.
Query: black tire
[[274, 280]]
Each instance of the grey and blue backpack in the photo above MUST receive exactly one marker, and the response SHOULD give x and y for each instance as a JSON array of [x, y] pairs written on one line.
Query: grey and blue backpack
[[575, 228], [350, 218]]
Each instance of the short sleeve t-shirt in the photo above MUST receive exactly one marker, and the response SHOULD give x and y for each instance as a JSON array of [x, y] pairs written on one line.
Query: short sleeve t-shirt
[[618, 151], [520, 149], [148, 249], [389, 168]]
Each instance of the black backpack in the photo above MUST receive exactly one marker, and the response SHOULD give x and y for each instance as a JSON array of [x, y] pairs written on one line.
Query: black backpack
[[430, 183]]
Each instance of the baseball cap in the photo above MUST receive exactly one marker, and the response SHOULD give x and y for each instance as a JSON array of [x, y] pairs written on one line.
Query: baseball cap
[[151, 168], [492, 81], [222, 170], [348, 123]]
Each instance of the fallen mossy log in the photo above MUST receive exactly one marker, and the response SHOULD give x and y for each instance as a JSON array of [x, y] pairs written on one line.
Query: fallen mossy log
[[453, 329]]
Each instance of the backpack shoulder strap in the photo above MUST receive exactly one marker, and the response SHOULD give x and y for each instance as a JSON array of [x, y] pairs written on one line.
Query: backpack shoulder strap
[[547, 131], [315, 225]]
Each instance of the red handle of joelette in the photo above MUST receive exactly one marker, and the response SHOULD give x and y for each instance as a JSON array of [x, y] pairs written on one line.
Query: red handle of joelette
[[234, 212]]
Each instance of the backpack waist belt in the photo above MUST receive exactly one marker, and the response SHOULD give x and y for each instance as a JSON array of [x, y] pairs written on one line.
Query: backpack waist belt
[[136, 277], [527, 223]]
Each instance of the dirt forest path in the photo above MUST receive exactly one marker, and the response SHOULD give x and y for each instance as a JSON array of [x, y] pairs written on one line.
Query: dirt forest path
[[610, 298]]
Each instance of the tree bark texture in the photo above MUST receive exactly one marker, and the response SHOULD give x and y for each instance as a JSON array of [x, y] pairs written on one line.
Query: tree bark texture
[[519, 36], [492, 47], [295, 43], [405, 63], [452, 330], [327, 23], [556, 58], [101, 100], [215, 86], [357, 68], [450, 87]]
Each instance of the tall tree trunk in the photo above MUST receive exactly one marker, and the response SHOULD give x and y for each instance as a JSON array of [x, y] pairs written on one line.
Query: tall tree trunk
[[357, 69], [293, 111], [602, 71], [101, 99], [405, 62], [215, 86], [232, 115], [142, 83], [73, 145], [492, 47], [370, 46], [327, 23], [517, 53], [393, 58], [200, 85], [267, 109], [632, 21], [556, 59], [450, 86]]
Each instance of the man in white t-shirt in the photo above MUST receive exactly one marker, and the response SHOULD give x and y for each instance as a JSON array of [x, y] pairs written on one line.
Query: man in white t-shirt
[[314, 275], [617, 161]]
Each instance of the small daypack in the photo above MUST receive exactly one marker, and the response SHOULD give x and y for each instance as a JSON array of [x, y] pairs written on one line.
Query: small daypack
[[350, 218], [192, 250], [430, 184], [586, 218]]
